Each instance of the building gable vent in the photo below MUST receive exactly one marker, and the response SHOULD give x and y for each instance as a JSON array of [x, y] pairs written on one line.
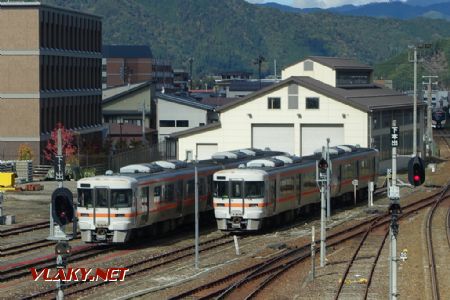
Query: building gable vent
[[140, 168], [264, 163], [171, 164]]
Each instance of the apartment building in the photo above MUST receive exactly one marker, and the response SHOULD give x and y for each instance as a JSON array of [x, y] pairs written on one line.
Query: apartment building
[[50, 65]]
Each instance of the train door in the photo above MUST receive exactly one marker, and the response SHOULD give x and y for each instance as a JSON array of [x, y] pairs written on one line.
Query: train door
[[298, 190], [179, 195], [102, 200], [236, 197], [145, 202], [273, 194]]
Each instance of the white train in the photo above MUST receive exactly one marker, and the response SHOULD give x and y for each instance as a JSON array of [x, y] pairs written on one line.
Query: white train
[[276, 189], [158, 196]]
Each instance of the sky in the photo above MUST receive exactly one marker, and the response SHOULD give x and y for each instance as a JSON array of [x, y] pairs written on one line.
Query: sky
[[317, 3]]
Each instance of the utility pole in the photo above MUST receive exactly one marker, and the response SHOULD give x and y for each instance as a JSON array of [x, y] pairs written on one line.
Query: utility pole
[[190, 60], [394, 208], [258, 61], [429, 117], [144, 140], [415, 104], [415, 61], [196, 214]]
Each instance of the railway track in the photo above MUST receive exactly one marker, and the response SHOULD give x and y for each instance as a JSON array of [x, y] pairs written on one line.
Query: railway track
[[139, 267], [24, 228], [25, 247], [248, 282], [435, 292], [362, 263], [20, 269]]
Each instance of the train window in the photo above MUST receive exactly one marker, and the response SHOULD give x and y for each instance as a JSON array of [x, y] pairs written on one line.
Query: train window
[[202, 186], [236, 189], [157, 191], [220, 189], [287, 185], [121, 198], [190, 188], [169, 193], [145, 197], [101, 198], [309, 180], [85, 197], [254, 189]]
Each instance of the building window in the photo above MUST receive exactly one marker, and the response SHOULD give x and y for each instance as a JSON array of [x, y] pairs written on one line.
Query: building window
[[293, 96], [201, 124], [273, 103], [182, 123], [166, 123], [312, 103], [308, 66]]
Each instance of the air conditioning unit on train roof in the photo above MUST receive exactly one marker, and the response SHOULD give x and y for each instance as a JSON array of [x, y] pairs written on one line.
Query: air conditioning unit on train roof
[[333, 151], [347, 149], [171, 164], [265, 162], [229, 155], [288, 159], [140, 168]]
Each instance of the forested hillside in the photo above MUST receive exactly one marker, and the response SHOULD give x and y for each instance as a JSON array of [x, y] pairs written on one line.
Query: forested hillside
[[228, 35]]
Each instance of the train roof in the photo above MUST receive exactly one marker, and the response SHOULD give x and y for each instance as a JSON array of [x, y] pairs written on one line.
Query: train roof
[[275, 164], [160, 170]]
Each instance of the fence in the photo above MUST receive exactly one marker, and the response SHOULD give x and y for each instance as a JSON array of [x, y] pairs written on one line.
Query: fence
[[142, 154]]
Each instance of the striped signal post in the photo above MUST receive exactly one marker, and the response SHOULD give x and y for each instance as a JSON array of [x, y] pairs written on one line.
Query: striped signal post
[[394, 208]]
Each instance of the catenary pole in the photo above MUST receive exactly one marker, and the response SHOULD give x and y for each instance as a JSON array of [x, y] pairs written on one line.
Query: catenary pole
[[196, 215], [415, 105]]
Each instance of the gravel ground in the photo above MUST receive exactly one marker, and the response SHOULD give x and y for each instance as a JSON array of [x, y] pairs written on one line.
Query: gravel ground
[[295, 284]]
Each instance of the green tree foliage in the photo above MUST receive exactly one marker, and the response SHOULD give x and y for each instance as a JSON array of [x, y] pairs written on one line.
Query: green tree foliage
[[229, 35]]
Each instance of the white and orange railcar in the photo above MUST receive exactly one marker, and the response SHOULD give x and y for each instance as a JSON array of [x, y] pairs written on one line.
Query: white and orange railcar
[[158, 196], [277, 188]]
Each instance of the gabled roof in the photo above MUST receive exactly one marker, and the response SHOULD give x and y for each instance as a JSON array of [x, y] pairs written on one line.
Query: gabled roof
[[184, 101], [113, 93], [248, 85], [364, 99], [196, 130], [126, 51], [337, 63]]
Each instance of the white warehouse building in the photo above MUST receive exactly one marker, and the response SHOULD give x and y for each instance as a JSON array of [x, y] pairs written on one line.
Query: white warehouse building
[[318, 98]]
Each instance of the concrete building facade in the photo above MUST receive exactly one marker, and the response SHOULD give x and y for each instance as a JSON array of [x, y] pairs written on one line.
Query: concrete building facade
[[50, 65], [334, 98]]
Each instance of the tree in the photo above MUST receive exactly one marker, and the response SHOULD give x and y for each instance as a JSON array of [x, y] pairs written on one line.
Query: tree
[[25, 152], [68, 149]]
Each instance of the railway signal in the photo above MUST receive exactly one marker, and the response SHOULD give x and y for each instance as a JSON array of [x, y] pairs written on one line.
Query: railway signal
[[416, 171], [62, 206]]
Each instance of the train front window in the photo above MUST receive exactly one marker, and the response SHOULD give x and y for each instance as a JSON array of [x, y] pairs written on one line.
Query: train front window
[[121, 198], [236, 189], [254, 189], [85, 198], [220, 189], [101, 199]]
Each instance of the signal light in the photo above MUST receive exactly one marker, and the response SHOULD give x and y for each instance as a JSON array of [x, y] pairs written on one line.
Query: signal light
[[62, 206], [416, 171], [323, 165]]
